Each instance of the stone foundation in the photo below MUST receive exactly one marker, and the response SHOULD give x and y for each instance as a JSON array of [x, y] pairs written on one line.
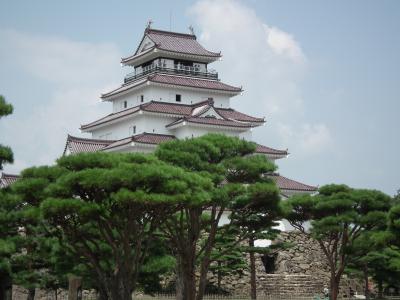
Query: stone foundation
[[298, 270]]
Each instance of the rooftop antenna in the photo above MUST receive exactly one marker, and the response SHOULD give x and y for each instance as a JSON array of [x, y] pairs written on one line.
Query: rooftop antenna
[[191, 29], [149, 23], [170, 20]]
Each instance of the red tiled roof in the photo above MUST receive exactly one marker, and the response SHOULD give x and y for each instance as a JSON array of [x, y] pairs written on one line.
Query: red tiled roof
[[193, 82], [112, 116], [174, 42], [288, 184], [267, 150], [168, 108], [230, 113], [78, 145], [7, 179], [175, 80], [178, 42], [211, 121], [175, 110], [143, 138]]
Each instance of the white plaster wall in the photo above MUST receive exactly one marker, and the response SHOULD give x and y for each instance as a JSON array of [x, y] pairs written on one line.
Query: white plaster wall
[[224, 218], [191, 131], [120, 130], [168, 95], [187, 97], [133, 99], [156, 124], [143, 123], [134, 149]]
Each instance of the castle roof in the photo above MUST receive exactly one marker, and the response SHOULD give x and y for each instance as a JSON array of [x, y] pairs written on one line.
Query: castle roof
[[171, 42], [211, 121], [180, 110], [7, 179], [181, 81], [77, 145], [143, 138], [287, 184], [271, 151]]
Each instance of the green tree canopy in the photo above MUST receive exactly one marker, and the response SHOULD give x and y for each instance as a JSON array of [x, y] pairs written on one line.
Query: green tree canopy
[[339, 215], [192, 232], [6, 155], [394, 223], [9, 239], [37, 249], [105, 209]]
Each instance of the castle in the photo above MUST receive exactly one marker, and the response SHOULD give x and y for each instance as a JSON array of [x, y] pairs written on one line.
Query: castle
[[172, 93]]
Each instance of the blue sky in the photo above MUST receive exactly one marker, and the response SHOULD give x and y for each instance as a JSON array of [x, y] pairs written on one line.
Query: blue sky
[[323, 73]]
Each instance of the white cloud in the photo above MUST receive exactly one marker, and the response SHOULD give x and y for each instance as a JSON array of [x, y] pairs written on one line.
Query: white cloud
[[75, 74], [283, 43], [270, 65], [310, 138]]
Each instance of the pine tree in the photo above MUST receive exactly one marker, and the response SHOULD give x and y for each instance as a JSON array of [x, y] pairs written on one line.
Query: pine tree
[[9, 239], [227, 257], [6, 155], [34, 264], [107, 207], [228, 162], [339, 216]]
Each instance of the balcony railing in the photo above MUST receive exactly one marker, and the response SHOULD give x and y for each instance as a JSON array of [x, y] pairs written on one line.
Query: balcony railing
[[178, 69]]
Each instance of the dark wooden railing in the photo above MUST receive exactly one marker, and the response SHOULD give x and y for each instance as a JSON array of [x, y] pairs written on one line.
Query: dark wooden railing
[[190, 71]]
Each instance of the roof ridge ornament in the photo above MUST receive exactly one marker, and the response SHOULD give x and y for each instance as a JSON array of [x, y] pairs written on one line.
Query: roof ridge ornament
[[191, 30], [149, 23]]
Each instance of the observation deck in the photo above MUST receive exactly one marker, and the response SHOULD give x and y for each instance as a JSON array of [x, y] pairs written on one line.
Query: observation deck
[[176, 70]]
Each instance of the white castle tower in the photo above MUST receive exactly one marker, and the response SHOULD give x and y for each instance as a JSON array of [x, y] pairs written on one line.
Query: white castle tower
[[172, 94]]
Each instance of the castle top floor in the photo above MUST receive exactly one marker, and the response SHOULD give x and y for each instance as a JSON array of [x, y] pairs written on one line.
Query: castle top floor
[[172, 52], [159, 43]]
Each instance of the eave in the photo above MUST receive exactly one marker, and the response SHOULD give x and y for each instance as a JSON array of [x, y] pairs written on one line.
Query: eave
[[155, 52], [156, 80], [239, 127]]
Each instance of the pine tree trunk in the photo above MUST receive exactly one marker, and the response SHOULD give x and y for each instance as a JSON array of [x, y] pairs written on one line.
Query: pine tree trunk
[[31, 294], [179, 284], [203, 277], [366, 287], [380, 288], [219, 276], [5, 287], [253, 283], [74, 284], [102, 294], [190, 281], [334, 291], [2, 287]]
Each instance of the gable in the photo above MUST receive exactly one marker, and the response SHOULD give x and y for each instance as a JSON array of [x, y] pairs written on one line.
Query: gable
[[145, 44], [210, 113]]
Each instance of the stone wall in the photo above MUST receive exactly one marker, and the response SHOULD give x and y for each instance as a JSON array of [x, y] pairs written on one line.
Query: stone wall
[[300, 270]]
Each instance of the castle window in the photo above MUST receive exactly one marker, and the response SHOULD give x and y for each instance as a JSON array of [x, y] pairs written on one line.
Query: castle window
[[178, 98], [132, 130], [141, 98], [125, 104]]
